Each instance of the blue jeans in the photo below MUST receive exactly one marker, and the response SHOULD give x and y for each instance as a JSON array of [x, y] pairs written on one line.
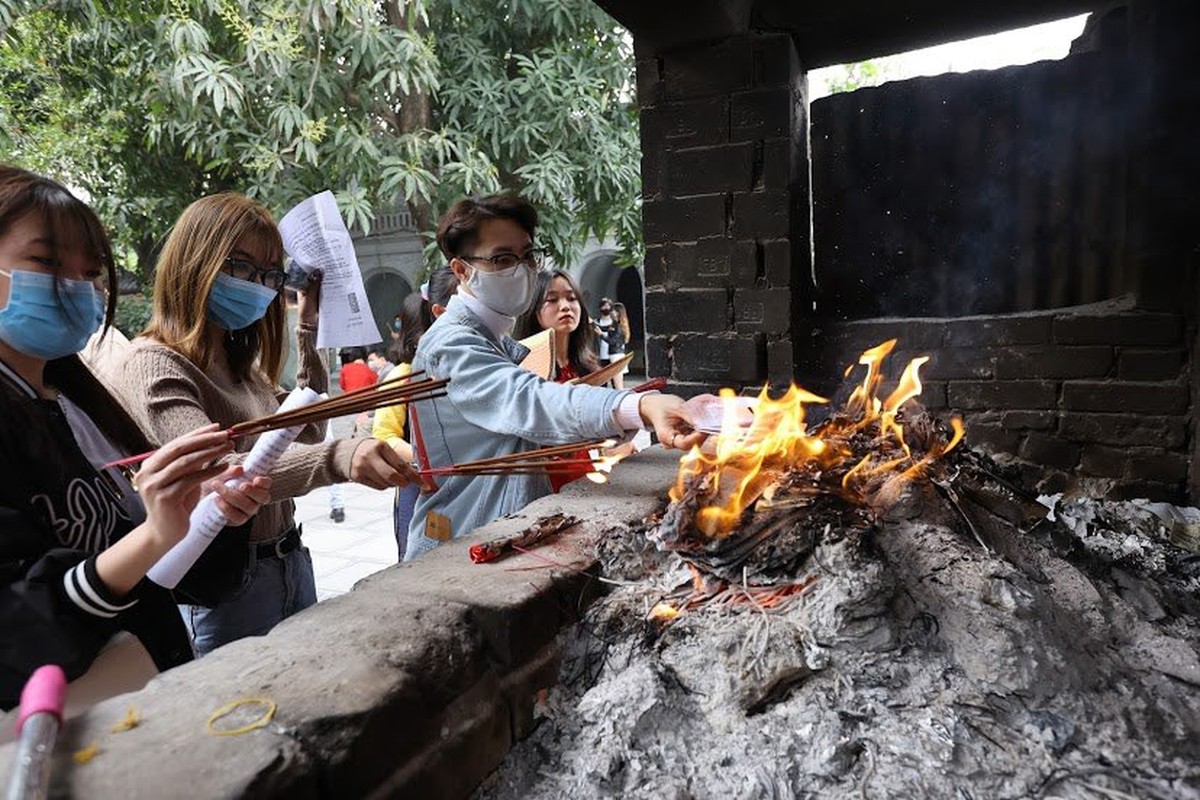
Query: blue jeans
[[402, 514], [275, 588]]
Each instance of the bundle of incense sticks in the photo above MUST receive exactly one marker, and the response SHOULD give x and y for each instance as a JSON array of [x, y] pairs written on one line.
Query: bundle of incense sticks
[[535, 534], [543, 461], [389, 393]]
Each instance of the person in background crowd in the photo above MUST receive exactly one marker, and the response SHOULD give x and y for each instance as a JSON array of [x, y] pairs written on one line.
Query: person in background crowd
[[557, 306], [493, 407], [77, 538], [337, 497], [394, 328], [442, 285], [355, 374], [391, 422], [379, 363], [613, 328], [620, 342], [601, 333], [213, 352]]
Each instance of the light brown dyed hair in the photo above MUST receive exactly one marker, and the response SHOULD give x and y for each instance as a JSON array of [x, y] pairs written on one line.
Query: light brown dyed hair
[[206, 233]]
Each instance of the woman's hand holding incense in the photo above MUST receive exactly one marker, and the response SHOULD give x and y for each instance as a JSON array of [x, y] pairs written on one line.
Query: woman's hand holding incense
[[665, 413], [377, 465], [308, 300], [172, 480], [170, 483]]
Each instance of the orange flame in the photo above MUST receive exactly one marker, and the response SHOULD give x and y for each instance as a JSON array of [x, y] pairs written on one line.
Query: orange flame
[[744, 462], [603, 460]]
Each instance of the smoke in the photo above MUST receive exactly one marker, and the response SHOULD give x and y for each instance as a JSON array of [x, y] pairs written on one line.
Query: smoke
[[977, 193]]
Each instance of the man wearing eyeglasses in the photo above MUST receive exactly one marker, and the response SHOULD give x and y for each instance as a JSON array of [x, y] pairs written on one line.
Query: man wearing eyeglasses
[[493, 407]]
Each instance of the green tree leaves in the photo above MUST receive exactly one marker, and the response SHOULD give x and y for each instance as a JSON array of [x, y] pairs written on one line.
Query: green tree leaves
[[146, 104]]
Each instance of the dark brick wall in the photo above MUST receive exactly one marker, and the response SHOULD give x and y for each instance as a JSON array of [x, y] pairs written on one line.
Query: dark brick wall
[[1042, 186], [1094, 396], [977, 193], [725, 215]]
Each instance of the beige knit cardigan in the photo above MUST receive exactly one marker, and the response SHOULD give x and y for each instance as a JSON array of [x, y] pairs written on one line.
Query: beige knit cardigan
[[168, 395]]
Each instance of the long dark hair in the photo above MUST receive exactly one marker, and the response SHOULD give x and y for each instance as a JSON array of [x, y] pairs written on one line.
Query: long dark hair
[[581, 351], [416, 315], [70, 224]]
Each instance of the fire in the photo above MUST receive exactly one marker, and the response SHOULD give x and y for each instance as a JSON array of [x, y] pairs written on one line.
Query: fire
[[743, 462], [604, 459]]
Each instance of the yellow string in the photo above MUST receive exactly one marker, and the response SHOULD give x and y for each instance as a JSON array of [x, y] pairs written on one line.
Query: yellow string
[[228, 708]]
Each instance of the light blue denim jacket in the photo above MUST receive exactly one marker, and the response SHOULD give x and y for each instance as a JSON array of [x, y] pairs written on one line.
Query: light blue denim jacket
[[493, 408]]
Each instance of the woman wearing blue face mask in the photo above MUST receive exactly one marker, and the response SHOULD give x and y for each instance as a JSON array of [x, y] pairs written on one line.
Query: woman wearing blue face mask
[[212, 353], [76, 539]]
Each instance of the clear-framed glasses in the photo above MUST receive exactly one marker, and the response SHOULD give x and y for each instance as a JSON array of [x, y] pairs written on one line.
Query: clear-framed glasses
[[245, 270], [508, 262]]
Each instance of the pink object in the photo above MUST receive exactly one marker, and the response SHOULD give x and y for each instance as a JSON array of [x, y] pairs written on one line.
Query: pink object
[[44, 693]]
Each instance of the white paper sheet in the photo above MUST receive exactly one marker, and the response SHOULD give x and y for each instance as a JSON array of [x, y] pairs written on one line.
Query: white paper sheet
[[207, 520], [707, 411], [315, 236]]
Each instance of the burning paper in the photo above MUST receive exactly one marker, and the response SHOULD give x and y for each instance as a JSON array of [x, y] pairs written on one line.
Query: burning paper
[[865, 445]]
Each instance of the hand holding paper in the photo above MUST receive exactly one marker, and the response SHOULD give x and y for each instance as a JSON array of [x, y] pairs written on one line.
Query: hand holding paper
[[207, 520], [315, 236]]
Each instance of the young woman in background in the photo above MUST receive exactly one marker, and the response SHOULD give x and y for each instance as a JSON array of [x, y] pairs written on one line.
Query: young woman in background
[[557, 306]]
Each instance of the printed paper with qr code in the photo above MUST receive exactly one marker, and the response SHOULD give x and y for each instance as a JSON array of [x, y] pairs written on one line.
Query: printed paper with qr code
[[315, 236]]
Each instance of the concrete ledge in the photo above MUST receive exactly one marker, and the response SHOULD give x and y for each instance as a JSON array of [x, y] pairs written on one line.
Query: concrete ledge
[[415, 684]]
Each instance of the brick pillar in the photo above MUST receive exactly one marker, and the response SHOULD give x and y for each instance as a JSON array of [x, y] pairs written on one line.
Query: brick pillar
[[1164, 36], [726, 214]]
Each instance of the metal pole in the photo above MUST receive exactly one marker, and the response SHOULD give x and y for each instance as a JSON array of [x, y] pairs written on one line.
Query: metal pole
[[37, 728]]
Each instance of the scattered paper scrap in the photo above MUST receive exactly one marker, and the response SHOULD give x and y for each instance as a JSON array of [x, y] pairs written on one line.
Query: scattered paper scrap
[[132, 720], [86, 754]]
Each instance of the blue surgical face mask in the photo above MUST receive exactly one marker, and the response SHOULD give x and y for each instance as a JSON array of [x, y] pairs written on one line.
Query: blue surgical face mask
[[235, 304], [45, 321]]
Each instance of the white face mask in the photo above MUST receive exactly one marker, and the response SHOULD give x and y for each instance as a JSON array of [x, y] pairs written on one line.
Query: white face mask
[[506, 291]]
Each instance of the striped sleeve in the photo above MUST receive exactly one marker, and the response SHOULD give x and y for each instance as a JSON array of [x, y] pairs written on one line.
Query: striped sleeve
[[85, 589]]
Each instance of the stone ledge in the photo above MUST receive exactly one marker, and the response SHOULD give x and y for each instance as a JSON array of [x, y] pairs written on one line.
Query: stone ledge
[[414, 684]]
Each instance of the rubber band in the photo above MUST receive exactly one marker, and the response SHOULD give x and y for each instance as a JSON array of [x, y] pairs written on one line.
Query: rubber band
[[229, 708]]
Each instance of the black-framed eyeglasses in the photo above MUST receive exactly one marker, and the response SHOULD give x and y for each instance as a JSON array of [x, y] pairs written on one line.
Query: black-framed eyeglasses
[[245, 270], [534, 259]]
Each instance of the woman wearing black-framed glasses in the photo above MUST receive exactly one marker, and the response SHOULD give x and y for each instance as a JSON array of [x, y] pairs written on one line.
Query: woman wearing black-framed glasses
[[244, 270], [213, 352]]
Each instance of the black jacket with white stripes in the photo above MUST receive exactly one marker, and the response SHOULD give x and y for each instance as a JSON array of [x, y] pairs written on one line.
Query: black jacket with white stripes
[[56, 514]]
